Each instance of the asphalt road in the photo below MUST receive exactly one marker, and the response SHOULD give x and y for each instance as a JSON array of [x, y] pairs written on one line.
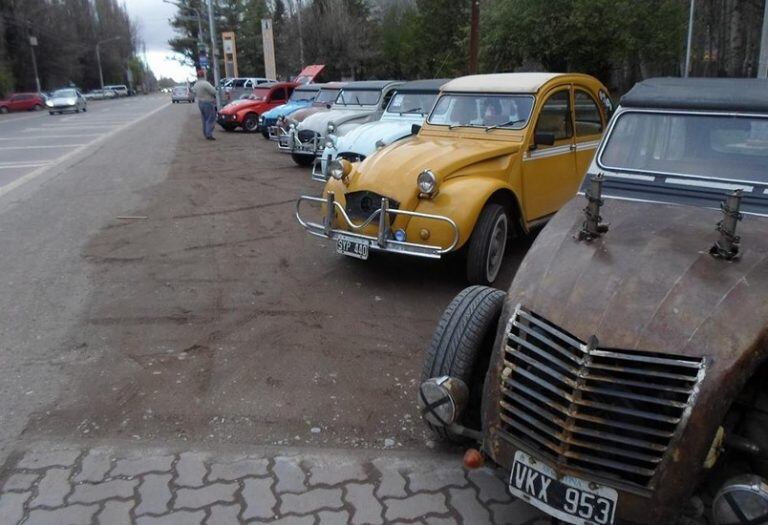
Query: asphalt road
[[30, 143], [208, 315], [48, 211]]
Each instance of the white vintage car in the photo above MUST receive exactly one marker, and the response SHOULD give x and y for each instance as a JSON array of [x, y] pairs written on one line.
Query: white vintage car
[[358, 103], [404, 115]]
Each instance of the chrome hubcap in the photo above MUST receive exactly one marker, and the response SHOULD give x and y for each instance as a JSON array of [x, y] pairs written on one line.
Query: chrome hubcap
[[496, 248]]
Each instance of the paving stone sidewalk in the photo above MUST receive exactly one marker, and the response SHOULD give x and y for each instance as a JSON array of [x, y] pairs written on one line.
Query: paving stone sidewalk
[[114, 485]]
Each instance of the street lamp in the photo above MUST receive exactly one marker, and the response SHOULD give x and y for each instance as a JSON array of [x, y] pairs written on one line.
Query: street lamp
[[98, 56]]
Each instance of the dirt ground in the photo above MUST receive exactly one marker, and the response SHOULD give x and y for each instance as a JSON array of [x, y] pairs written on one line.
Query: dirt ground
[[216, 318]]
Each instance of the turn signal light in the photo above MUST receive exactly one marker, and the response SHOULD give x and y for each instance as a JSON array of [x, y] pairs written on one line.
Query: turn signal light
[[473, 459]]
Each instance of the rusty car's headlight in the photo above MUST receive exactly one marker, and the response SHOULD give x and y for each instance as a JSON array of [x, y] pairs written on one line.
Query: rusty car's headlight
[[427, 183], [339, 168], [331, 127]]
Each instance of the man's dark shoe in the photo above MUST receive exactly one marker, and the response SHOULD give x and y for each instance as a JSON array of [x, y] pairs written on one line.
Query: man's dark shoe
[[210, 138]]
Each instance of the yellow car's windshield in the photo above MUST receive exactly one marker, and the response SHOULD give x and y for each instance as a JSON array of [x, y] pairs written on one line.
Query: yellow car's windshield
[[482, 111]]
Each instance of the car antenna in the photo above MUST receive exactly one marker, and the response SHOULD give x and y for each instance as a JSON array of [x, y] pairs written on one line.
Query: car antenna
[[727, 246], [593, 226]]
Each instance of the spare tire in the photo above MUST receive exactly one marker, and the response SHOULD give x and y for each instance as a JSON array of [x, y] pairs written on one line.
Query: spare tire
[[461, 347]]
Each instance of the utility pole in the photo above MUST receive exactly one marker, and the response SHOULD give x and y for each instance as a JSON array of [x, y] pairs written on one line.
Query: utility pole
[[301, 35], [214, 62], [690, 39], [762, 68], [32, 45], [473, 37]]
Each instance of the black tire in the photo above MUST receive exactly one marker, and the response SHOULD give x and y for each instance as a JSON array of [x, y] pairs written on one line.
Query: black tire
[[265, 133], [3, 110], [303, 160], [461, 347], [251, 122], [485, 252], [85, 108], [38, 107]]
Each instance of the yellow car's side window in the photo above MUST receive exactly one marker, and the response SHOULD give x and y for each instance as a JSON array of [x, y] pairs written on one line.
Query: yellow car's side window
[[555, 116], [588, 118]]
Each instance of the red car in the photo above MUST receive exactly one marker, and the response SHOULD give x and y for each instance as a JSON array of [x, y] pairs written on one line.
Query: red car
[[22, 102], [245, 112]]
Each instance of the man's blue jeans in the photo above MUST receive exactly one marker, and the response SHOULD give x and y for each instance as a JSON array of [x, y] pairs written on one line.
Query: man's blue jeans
[[208, 114]]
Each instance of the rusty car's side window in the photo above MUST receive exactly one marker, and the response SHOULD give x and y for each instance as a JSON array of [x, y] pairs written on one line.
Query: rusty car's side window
[[555, 116], [588, 118]]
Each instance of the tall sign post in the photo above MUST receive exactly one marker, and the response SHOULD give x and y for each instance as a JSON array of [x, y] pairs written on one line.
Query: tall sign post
[[230, 54], [269, 48], [762, 68], [214, 62], [690, 40]]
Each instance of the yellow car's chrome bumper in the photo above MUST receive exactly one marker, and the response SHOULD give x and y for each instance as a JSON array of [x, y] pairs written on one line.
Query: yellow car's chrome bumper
[[384, 240]]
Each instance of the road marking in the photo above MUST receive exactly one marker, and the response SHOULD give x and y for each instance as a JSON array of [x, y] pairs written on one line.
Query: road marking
[[4, 166], [5, 120], [54, 136], [61, 128], [47, 146], [42, 169]]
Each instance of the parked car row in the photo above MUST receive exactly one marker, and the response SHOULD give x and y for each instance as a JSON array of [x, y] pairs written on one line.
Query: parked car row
[[64, 99], [23, 102]]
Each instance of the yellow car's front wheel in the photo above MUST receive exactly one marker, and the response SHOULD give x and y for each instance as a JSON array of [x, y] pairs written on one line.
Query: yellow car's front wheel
[[485, 252]]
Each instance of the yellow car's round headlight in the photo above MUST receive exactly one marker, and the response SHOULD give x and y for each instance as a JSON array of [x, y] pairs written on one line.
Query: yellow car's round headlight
[[427, 182]]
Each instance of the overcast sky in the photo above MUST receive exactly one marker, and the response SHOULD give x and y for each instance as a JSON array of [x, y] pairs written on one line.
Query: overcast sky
[[152, 19]]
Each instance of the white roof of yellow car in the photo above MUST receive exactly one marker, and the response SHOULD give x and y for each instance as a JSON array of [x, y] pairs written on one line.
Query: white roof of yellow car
[[501, 82]]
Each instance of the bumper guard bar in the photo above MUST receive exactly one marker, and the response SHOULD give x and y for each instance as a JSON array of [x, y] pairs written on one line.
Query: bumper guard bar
[[383, 241], [290, 143]]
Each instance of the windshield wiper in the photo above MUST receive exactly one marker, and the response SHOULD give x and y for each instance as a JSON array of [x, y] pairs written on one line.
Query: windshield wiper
[[419, 109], [510, 123], [451, 126]]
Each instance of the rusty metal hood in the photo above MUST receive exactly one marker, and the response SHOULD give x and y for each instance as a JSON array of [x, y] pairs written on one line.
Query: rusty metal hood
[[649, 283]]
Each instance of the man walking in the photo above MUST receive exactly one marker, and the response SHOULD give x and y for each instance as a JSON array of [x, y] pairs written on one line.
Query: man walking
[[205, 94]]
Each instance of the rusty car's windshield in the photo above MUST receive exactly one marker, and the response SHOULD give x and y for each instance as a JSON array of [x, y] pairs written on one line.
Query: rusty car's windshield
[[358, 97], [482, 110], [687, 157], [718, 146], [412, 102]]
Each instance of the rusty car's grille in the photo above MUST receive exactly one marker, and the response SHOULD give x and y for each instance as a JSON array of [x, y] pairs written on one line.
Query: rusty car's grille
[[361, 204], [609, 413]]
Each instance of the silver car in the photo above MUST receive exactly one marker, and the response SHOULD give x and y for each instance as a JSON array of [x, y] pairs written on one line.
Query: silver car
[[67, 99], [182, 94]]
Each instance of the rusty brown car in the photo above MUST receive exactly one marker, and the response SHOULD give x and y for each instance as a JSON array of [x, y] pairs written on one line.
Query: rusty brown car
[[623, 378]]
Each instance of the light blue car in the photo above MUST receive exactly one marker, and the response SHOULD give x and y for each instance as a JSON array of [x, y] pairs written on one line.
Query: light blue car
[[302, 97], [405, 113]]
